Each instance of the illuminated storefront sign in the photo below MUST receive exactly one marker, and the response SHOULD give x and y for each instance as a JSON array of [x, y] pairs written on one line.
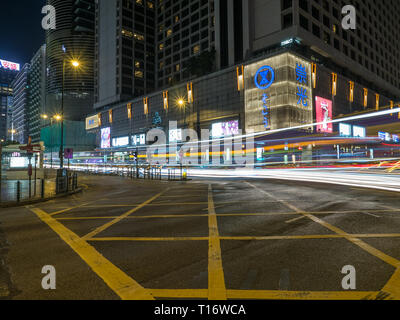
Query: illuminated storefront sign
[[223, 129], [323, 109], [9, 65], [395, 138], [263, 79], [106, 138], [139, 140], [120, 142], [345, 130], [384, 136], [301, 78], [359, 132], [92, 122], [278, 93]]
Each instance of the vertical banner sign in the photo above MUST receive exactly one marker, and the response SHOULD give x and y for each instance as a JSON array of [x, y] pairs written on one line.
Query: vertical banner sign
[[264, 78], [301, 78], [323, 108]]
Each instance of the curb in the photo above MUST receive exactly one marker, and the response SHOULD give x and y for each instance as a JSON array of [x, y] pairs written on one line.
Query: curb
[[30, 202]]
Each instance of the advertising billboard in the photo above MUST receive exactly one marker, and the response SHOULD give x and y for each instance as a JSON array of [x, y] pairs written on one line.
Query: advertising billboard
[[345, 130], [92, 122], [139, 139], [120, 142], [223, 129], [359, 132], [106, 138], [9, 65], [323, 109]]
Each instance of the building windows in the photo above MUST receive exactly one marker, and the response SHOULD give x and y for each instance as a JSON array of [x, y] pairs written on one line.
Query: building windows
[[303, 22], [287, 21]]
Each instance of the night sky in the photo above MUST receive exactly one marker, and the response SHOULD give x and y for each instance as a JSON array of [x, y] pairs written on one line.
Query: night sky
[[22, 33]]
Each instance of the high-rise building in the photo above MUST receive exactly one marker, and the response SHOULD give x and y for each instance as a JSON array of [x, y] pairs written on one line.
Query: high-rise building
[[8, 71], [251, 28], [73, 38], [125, 62], [277, 64], [37, 93], [154, 48], [185, 29], [20, 119]]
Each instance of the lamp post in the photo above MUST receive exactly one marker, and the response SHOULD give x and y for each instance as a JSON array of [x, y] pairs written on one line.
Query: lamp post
[[75, 64]]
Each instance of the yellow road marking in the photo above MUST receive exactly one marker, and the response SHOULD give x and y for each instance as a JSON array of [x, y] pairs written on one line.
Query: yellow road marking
[[265, 294], [123, 285], [250, 238], [295, 219], [299, 295], [116, 220], [176, 216], [216, 278], [393, 286], [373, 251], [71, 208], [261, 214], [149, 239], [180, 293]]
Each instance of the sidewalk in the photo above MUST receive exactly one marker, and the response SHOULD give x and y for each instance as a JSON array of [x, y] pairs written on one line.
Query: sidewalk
[[9, 190]]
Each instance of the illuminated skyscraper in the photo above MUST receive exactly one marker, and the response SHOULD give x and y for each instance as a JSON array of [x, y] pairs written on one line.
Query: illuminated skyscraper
[[8, 71], [73, 38]]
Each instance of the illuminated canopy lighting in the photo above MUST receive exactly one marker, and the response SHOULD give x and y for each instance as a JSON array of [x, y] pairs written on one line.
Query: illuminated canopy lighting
[[57, 117]]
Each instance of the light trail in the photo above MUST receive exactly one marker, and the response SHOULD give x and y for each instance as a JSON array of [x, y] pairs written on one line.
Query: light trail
[[353, 179], [264, 133]]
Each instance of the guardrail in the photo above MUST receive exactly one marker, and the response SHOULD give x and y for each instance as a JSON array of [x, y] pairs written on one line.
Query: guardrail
[[146, 172]]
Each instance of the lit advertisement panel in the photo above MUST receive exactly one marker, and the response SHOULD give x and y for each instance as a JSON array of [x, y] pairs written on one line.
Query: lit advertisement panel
[[345, 130], [9, 65], [359, 132], [323, 108], [395, 138], [106, 138], [19, 162], [223, 129], [385, 136], [120, 142], [139, 139], [92, 122]]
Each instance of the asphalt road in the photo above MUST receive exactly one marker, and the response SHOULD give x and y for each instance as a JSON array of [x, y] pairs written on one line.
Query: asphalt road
[[228, 238]]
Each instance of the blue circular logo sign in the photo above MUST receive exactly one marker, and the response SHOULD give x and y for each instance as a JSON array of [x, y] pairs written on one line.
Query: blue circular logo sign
[[264, 78]]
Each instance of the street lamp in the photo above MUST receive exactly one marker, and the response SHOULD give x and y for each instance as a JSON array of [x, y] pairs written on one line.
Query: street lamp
[[180, 102], [75, 64]]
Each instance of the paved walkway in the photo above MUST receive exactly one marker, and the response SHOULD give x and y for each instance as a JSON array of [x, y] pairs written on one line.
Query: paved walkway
[[9, 190]]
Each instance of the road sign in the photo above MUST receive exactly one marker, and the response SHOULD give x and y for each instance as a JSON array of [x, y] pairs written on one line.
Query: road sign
[[68, 154]]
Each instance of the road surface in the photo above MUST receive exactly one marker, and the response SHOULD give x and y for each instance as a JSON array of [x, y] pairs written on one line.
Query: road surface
[[209, 238]]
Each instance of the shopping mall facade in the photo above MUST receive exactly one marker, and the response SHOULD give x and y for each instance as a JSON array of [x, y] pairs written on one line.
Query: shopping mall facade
[[277, 90]]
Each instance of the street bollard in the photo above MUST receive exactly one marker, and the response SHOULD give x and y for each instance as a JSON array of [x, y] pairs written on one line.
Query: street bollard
[[42, 188], [18, 191]]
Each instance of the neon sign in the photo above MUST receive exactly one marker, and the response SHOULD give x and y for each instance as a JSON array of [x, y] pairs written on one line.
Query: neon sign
[[9, 65], [301, 78], [264, 78]]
